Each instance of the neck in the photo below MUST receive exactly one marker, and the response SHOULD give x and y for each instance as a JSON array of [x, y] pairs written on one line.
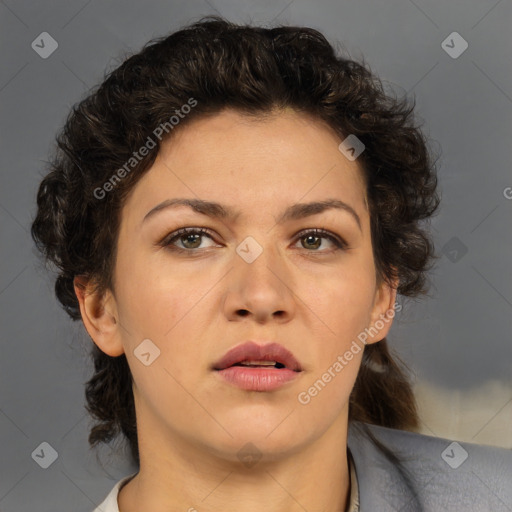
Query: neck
[[178, 474]]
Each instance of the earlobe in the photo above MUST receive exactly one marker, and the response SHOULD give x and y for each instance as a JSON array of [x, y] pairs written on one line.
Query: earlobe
[[383, 312], [99, 317]]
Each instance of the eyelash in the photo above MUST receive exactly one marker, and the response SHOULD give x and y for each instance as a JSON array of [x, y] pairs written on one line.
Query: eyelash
[[167, 242]]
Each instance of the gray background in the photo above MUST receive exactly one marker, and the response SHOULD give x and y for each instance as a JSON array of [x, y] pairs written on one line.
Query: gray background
[[457, 342]]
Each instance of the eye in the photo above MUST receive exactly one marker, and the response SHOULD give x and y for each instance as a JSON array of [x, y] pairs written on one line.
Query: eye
[[190, 238], [313, 239]]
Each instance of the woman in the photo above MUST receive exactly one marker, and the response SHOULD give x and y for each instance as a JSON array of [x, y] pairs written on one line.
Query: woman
[[233, 213]]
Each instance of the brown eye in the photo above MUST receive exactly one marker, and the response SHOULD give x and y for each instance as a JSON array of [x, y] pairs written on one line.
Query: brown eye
[[193, 240], [312, 240], [186, 239]]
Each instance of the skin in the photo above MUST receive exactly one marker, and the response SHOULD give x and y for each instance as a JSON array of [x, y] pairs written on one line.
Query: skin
[[301, 292]]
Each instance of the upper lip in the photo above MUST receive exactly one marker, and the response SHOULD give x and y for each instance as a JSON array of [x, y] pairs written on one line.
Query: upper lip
[[251, 351]]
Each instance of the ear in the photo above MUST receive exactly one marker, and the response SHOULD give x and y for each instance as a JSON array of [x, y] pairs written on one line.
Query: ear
[[383, 311], [99, 315]]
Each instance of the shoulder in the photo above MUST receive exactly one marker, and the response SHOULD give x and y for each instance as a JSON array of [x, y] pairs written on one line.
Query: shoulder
[[399, 470], [109, 504]]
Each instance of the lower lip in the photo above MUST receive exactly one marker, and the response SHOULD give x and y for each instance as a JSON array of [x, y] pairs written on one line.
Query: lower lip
[[257, 379]]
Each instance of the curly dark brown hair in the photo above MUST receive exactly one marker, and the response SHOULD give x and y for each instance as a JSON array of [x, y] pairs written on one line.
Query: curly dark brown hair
[[256, 71]]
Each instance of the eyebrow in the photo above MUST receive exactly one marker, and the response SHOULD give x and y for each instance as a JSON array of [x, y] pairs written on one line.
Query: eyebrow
[[293, 212]]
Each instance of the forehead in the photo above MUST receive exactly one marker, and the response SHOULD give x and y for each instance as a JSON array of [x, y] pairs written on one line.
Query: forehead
[[285, 131], [232, 158]]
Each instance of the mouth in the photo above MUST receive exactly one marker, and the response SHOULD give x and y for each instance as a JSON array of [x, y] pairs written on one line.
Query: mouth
[[252, 355], [254, 367], [260, 364]]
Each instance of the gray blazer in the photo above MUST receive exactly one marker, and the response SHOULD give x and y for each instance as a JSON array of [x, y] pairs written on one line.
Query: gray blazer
[[431, 474]]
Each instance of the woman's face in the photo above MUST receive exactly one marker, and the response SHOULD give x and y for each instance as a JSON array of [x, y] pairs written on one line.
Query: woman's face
[[255, 275]]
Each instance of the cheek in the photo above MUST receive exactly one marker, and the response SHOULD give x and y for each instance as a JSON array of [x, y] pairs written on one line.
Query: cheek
[[164, 307], [325, 395], [153, 299], [342, 301]]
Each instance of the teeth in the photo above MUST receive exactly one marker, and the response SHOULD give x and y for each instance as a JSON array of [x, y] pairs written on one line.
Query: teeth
[[258, 363]]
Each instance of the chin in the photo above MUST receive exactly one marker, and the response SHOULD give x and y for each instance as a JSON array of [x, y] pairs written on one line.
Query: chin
[[249, 446], [268, 433]]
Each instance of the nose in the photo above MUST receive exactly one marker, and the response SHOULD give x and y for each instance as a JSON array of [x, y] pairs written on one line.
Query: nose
[[261, 290]]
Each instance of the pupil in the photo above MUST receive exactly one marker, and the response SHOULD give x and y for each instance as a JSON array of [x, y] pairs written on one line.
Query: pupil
[[311, 237], [188, 238]]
